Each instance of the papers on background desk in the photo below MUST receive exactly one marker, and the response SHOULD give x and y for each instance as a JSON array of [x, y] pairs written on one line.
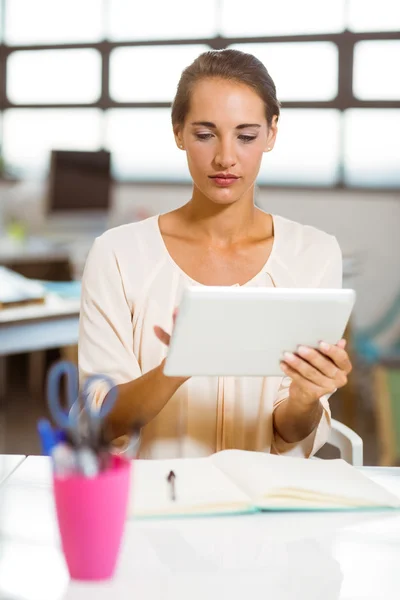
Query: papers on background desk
[[64, 289], [53, 306], [16, 290]]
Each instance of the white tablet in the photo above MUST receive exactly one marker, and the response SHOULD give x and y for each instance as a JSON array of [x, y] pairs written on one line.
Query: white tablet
[[243, 331]]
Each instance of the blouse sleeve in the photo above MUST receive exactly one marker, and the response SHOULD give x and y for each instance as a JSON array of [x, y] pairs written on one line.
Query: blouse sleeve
[[331, 277], [105, 330]]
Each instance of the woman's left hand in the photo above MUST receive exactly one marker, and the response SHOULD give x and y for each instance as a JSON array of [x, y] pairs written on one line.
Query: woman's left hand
[[315, 373]]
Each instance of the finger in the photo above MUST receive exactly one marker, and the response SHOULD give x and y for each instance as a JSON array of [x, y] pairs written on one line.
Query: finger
[[342, 343], [338, 355], [309, 388], [162, 335], [307, 371], [319, 361]]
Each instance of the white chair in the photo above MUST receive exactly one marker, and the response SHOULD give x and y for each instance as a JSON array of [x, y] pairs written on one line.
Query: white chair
[[348, 442]]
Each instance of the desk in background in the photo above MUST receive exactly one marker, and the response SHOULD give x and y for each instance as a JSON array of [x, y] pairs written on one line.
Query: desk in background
[[287, 556], [36, 258], [36, 328]]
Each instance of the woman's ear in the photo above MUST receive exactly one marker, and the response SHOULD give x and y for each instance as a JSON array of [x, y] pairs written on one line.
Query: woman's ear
[[178, 137], [272, 133]]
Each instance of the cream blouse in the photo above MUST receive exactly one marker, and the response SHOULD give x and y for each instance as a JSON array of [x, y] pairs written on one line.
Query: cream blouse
[[131, 283]]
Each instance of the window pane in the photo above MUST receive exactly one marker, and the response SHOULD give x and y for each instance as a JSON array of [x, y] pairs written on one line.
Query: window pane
[[306, 150], [282, 17], [372, 150], [1, 22], [143, 145], [301, 70], [375, 65], [368, 15], [30, 134], [51, 76], [153, 71], [175, 19], [52, 22]]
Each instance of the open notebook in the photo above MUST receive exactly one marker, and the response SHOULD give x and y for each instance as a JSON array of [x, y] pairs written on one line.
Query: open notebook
[[237, 481]]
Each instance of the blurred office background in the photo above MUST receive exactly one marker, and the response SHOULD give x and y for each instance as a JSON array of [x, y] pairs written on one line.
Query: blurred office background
[[86, 144]]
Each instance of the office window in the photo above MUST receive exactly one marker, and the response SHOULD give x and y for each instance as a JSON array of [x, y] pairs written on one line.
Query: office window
[[54, 76], [127, 57], [376, 70], [149, 73], [300, 70], [143, 146], [372, 150], [281, 17], [53, 21], [30, 134], [307, 149], [371, 15], [159, 20]]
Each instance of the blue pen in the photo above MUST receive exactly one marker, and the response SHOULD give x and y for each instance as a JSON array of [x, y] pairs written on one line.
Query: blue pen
[[47, 436]]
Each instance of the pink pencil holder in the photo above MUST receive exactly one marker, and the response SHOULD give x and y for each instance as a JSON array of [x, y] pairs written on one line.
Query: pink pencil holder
[[91, 516]]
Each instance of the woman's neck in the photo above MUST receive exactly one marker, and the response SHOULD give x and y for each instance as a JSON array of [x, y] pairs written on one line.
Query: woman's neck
[[222, 224]]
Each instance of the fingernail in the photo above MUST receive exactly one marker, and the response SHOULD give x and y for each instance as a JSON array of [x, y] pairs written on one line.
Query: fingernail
[[324, 346], [288, 356], [303, 349]]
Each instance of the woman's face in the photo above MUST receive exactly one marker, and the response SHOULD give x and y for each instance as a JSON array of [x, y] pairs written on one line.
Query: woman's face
[[225, 135]]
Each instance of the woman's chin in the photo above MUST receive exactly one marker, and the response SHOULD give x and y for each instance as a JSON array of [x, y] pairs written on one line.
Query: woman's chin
[[222, 196]]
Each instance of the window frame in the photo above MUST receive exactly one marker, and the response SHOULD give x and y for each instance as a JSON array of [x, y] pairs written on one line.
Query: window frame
[[345, 99]]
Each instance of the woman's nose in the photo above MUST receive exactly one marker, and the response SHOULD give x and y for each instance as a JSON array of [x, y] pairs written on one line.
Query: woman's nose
[[225, 156]]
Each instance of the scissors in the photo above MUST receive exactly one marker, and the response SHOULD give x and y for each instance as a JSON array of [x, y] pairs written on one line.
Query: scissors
[[69, 419]]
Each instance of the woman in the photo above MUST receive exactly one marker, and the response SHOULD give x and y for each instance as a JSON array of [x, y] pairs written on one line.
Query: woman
[[224, 117]]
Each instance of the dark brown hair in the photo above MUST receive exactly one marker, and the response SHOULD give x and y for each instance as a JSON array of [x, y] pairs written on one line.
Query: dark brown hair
[[232, 65]]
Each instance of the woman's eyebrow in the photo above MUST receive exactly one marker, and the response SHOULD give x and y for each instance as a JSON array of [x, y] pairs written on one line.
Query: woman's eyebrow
[[213, 126], [245, 125]]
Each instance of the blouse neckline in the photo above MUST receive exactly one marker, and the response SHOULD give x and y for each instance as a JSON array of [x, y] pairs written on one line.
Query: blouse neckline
[[264, 268]]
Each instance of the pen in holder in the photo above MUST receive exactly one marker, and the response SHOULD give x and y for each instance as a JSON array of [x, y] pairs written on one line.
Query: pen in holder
[[91, 513], [91, 485]]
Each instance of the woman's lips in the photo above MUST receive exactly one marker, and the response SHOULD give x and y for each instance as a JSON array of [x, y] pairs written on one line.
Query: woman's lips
[[224, 181]]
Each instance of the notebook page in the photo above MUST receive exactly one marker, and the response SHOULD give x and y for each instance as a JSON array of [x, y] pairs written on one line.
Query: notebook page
[[200, 488], [272, 480]]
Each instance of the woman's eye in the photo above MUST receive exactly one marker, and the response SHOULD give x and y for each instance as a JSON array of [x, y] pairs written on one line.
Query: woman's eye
[[203, 136], [247, 138]]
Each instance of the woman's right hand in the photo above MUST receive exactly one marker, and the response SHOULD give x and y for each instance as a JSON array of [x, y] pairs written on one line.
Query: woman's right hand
[[162, 335], [165, 338]]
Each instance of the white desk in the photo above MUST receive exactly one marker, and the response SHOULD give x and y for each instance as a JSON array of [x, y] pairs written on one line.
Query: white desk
[[284, 556], [39, 327], [8, 464], [33, 329]]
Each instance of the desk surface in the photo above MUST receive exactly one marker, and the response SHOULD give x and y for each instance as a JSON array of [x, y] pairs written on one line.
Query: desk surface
[[53, 307], [8, 464], [285, 556], [39, 327]]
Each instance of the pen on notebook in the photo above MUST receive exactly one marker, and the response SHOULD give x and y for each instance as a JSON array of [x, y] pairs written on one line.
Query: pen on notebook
[[171, 480]]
